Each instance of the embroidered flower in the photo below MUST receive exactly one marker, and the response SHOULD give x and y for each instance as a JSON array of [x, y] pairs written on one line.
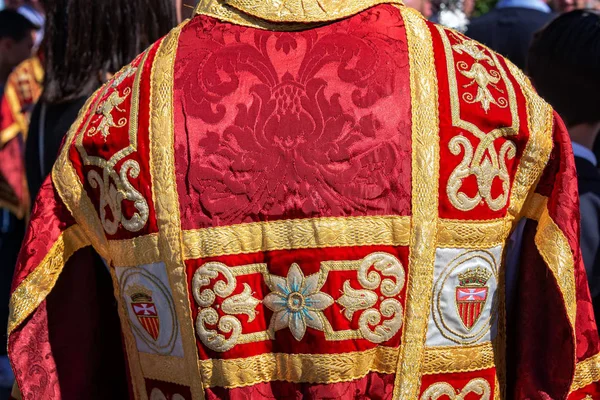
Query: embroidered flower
[[296, 302]]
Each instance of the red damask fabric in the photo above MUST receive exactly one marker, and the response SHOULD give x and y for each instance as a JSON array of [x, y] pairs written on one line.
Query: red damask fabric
[[275, 125]]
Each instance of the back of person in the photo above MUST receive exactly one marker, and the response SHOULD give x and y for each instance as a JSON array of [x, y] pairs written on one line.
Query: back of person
[[564, 64], [510, 29], [311, 201]]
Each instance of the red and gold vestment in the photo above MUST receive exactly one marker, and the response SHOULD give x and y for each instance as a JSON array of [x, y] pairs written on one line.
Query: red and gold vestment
[[309, 199], [22, 90]]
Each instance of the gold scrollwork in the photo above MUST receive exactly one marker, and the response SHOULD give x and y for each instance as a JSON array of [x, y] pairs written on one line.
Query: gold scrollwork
[[105, 110], [486, 168], [478, 386], [484, 161], [243, 303], [114, 189], [354, 300]]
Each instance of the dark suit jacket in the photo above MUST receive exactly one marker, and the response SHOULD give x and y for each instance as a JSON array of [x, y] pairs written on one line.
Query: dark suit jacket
[[509, 31], [588, 178]]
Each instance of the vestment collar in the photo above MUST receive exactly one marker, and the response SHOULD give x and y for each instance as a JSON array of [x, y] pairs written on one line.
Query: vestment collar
[[284, 14]]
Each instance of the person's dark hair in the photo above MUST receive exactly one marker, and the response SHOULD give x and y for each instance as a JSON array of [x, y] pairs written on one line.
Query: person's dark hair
[[564, 65], [85, 40], [14, 25]]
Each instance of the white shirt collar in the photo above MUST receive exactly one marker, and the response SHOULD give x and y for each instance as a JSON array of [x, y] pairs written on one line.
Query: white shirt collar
[[585, 153]]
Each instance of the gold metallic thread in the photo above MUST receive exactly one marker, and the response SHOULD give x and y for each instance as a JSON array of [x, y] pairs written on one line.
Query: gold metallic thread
[[298, 368], [261, 14], [165, 196], [425, 182], [35, 288], [447, 360], [586, 373]]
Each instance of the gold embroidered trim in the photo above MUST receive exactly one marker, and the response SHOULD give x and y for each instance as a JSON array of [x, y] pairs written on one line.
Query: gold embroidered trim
[[138, 383], [473, 234], [287, 11], [308, 233], [39, 283], [534, 207], [556, 252], [478, 386], [539, 146], [163, 368], [425, 183], [9, 133], [475, 162], [134, 252], [296, 234], [165, 196], [586, 373], [446, 360], [71, 191], [298, 368]]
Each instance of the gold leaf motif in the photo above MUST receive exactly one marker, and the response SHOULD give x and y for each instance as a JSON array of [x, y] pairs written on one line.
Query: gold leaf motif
[[355, 300]]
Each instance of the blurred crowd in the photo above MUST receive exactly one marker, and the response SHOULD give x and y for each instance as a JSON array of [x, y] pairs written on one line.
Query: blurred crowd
[[52, 59]]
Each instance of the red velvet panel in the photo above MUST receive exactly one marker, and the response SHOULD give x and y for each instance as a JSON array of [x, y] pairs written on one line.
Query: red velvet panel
[[374, 386], [273, 125]]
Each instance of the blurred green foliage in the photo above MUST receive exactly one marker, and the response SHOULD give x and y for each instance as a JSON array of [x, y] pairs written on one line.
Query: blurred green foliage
[[483, 7]]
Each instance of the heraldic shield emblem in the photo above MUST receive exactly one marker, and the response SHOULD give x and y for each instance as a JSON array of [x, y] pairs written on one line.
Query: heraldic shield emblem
[[145, 310], [471, 295]]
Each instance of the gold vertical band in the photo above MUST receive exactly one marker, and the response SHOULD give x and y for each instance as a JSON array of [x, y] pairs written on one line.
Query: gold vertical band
[[425, 182], [165, 197]]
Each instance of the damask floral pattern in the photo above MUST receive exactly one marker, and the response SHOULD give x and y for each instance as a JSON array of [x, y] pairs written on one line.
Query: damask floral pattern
[[318, 126]]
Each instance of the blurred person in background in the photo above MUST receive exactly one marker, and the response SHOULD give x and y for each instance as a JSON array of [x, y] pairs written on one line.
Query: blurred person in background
[[564, 64], [16, 43], [81, 52], [509, 28]]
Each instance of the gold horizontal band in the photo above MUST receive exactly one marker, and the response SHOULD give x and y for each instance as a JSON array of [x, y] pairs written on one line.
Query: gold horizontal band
[[296, 234], [298, 368], [446, 360], [586, 373], [308, 233], [330, 368], [38, 284]]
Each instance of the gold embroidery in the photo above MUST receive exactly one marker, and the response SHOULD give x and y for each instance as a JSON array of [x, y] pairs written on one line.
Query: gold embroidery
[[114, 185], [556, 252], [105, 109], [425, 182], [297, 302], [586, 373], [243, 303], [484, 161], [70, 188], [298, 11], [446, 360], [165, 197], [479, 75], [477, 386], [534, 207], [296, 234], [539, 146], [132, 353], [357, 300], [473, 234], [39, 283], [298, 368]]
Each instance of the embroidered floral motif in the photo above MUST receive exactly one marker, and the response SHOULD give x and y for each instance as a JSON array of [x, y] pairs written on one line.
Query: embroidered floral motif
[[479, 387], [106, 108], [296, 302], [479, 75]]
